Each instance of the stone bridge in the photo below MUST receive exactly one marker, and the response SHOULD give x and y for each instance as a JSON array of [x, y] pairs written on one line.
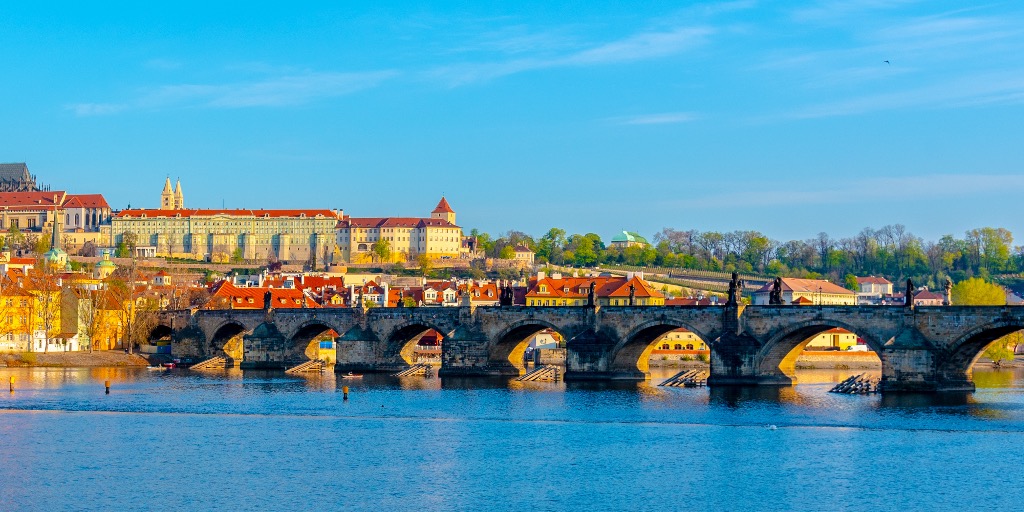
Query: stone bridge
[[921, 349]]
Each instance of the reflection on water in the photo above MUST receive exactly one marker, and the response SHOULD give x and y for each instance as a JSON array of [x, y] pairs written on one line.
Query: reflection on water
[[263, 440]]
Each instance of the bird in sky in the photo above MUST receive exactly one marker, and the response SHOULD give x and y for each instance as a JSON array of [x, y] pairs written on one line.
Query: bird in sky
[[887, 62]]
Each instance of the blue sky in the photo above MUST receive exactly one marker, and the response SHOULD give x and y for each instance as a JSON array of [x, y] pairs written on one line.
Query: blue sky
[[777, 116]]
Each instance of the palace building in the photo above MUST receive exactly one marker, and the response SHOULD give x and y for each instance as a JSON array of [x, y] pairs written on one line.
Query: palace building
[[293, 236], [437, 236]]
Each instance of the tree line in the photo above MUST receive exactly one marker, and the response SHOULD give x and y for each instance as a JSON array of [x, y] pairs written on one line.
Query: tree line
[[890, 251]]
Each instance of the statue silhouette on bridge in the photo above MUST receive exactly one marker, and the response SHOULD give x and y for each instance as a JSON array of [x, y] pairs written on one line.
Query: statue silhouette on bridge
[[908, 301], [775, 297], [735, 290]]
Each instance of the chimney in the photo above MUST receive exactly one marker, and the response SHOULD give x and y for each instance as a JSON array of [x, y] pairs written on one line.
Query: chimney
[[540, 275]]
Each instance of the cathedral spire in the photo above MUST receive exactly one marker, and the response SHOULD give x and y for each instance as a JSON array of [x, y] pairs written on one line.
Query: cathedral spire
[[167, 196], [179, 196]]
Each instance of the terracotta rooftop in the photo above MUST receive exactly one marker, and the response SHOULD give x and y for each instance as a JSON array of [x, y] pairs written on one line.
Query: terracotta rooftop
[[138, 213], [443, 207], [872, 280], [792, 284]]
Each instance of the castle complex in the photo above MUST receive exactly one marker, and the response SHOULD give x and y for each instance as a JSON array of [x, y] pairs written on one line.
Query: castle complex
[[316, 236]]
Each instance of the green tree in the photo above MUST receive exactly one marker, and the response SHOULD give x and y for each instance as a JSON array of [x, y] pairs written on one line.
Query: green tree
[[978, 292], [851, 282], [424, 263], [381, 250], [507, 253]]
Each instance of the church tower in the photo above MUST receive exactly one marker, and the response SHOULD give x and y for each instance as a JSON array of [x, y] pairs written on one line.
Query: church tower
[[167, 196], [443, 211], [179, 197]]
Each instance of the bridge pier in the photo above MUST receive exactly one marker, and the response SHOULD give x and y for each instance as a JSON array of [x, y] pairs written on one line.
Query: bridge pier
[[469, 353]]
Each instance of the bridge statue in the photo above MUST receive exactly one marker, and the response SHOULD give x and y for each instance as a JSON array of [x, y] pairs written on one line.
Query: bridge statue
[[735, 290], [776, 295], [268, 300], [908, 301], [591, 294], [632, 294], [948, 288]]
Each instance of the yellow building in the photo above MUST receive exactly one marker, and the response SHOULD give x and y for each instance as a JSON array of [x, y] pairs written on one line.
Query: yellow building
[[437, 237], [807, 291], [97, 316], [833, 339], [30, 313], [219, 235], [16, 317]]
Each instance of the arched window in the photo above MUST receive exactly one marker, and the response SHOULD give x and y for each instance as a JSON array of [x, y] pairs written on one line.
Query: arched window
[[664, 347], [679, 346], [689, 346]]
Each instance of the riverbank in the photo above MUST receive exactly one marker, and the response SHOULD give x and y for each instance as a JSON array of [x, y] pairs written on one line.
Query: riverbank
[[73, 359]]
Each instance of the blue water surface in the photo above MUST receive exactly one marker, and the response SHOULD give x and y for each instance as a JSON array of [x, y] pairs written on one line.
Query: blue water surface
[[266, 441]]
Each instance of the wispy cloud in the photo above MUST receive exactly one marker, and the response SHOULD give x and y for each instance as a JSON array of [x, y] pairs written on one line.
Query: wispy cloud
[[831, 10], [279, 91], [640, 46], [960, 92], [662, 118]]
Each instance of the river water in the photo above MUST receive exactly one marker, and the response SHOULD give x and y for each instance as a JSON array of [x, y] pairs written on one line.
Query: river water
[[266, 441]]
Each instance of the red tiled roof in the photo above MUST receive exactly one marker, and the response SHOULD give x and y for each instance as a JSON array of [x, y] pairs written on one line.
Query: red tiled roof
[[138, 213], [928, 295], [239, 298], [443, 207], [33, 199], [90, 200], [392, 222], [792, 284], [36, 200], [578, 287], [872, 280]]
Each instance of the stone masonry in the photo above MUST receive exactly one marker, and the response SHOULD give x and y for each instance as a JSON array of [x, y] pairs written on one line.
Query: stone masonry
[[921, 349]]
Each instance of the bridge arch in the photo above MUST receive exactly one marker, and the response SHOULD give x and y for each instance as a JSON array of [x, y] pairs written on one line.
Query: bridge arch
[[509, 346], [159, 332], [401, 341], [779, 353], [226, 340], [301, 341], [956, 365], [632, 353]]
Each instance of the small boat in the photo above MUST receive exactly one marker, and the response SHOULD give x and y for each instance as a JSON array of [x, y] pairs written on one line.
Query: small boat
[[155, 368], [168, 365], [351, 375]]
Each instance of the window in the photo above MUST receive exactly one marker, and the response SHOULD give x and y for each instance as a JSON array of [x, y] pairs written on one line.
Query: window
[[679, 346]]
